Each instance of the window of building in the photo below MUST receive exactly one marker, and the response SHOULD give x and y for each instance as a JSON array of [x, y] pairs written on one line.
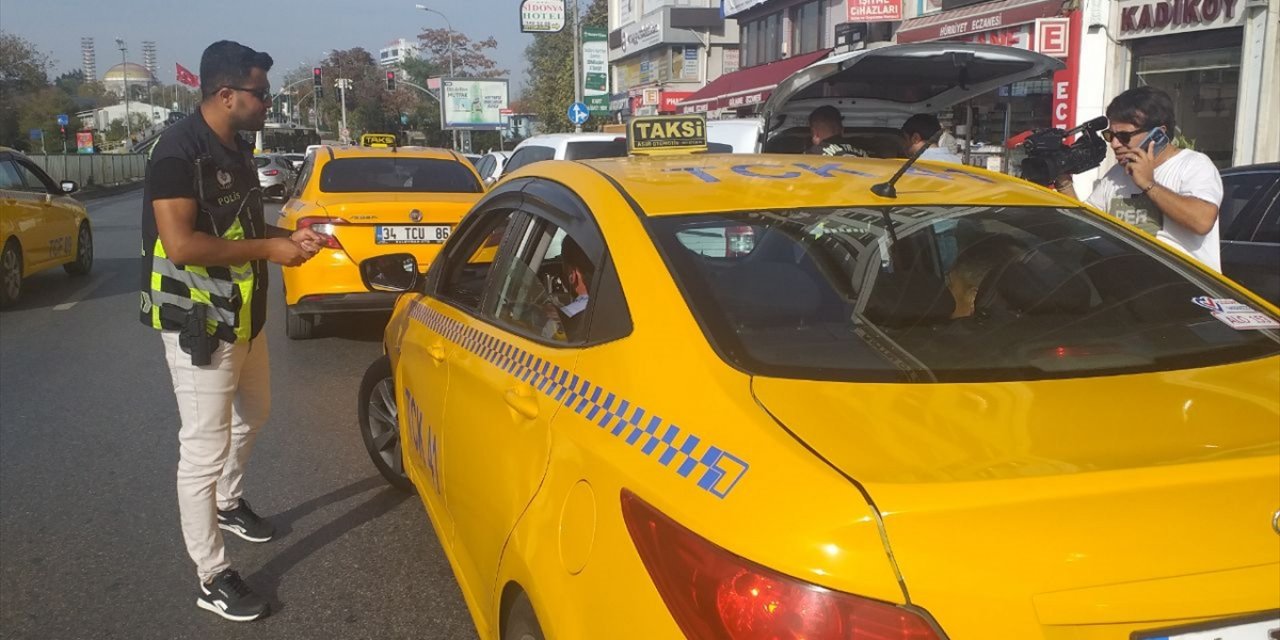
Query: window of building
[[761, 40], [806, 27], [1201, 72]]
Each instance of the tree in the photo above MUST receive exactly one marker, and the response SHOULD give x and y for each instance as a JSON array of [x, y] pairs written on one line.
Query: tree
[[468, 58], [551, 82], [24, 71]]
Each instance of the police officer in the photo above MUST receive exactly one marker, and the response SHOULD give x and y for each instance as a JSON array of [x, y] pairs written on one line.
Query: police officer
[[204, 286]]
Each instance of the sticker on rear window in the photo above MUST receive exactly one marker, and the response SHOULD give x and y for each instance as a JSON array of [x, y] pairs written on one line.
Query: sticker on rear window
[[1235, 314]]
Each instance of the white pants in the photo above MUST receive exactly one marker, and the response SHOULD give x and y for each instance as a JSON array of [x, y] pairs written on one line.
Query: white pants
[[222, 405]]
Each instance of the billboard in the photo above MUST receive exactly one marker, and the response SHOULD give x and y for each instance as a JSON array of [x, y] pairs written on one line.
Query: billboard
[[595, 69], [541, 16], [472, 103]]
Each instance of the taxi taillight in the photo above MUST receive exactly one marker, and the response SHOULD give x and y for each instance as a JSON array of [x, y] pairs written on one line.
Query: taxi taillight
[[326, 226], [715, 595], [271, 172]]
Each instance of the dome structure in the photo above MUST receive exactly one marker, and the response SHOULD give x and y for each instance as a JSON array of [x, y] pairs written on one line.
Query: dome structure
[[136, 74]]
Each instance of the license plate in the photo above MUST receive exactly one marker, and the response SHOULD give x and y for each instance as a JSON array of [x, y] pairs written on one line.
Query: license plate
[[412, 234], [1256, 630]]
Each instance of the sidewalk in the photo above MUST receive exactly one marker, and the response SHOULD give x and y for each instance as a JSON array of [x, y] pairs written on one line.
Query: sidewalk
[[95, 192]]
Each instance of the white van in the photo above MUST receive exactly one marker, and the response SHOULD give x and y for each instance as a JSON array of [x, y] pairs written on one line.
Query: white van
[[876, 90], [565, 146]]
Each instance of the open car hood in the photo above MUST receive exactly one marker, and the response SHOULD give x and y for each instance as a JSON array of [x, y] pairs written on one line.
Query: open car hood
[[884, 86]]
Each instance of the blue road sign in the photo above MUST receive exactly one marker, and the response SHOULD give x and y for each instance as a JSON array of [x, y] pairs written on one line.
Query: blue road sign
[[35, 134], [578, 113], [404, 119], [63, 120]]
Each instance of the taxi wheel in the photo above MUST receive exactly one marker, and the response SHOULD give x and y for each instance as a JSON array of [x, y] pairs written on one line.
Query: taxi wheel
[[10, 273], [299, 326], [84, 253], [522, 623], [379, 427]]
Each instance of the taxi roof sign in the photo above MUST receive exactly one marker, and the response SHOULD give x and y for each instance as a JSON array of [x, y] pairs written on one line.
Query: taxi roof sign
[[656, 135], [378, 140]]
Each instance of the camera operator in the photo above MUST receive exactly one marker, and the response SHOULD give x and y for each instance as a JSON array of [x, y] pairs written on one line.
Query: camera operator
[[1170, 192]]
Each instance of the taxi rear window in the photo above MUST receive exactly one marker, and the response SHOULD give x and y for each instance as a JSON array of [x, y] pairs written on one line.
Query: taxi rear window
[[954, 294], [397, 174]]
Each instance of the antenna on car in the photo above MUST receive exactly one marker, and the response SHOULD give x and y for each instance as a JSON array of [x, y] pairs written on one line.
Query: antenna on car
[[886, 189]]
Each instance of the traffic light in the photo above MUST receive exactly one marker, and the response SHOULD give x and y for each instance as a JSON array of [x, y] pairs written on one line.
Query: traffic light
[[391, 81], [317, 81]]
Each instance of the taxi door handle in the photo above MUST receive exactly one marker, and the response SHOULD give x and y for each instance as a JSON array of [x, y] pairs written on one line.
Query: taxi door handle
[[436, 351], [521, 399]]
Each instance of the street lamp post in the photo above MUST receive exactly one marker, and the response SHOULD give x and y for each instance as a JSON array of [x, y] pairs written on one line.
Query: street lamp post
[[423, 7], [124, 67]]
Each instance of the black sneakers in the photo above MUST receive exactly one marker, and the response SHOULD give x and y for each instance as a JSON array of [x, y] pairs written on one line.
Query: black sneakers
[[243, 522], [228, 596]]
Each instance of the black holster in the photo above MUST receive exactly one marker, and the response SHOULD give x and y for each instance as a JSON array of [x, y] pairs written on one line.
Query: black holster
[[194, 339]]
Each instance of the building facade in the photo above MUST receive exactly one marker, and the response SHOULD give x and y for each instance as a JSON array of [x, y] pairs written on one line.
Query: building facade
[[661, 51], [396, 51]]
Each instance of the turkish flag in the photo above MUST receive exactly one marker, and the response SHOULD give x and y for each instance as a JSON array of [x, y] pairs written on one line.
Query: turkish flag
[[188, 78]]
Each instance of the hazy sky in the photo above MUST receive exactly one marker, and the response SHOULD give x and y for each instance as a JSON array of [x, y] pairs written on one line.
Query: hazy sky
[[293, 32]]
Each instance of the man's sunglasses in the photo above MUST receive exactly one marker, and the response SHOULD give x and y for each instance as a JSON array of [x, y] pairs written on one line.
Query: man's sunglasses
[[263, 95], [1123, 136]]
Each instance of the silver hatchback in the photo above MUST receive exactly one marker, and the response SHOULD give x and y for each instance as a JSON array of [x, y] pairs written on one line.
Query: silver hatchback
[[276, 175]]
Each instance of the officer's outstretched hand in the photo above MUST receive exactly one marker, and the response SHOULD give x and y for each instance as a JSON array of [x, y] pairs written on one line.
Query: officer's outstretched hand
[[310, 240], [286, 252]]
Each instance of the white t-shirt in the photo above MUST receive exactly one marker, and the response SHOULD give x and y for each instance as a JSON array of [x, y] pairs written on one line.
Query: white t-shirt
[[1187, 173], [940, 154]]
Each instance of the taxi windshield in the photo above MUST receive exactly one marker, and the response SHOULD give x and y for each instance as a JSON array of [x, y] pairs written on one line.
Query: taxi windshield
[[397, 175], [953, 294]]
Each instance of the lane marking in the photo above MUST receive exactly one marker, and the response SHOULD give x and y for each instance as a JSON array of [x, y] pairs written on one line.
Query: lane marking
[[84, 291]]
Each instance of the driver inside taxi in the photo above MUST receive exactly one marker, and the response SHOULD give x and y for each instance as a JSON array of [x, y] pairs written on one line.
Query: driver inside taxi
[[972, 266], [575, 273]]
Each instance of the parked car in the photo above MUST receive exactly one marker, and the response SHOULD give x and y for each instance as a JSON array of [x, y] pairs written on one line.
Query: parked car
[[490, 166], [295, 159], [566, 146], [276, 175], [41, 226], [876, 90], [1249, 225]]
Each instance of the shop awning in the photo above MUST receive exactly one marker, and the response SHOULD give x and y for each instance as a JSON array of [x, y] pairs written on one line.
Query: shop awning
[[976, 18], [747, 86]]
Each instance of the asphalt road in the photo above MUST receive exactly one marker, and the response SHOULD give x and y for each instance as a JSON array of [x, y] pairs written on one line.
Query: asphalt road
[[90, 545]]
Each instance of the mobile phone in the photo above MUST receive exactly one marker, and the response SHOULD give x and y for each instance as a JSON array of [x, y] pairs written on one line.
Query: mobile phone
[[1157, 136]]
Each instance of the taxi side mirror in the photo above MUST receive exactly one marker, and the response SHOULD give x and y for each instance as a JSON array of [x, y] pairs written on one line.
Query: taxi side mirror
[[396, 272], [69, 186]]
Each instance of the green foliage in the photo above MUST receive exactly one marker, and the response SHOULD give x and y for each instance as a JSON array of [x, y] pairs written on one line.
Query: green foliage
[[551, 83]]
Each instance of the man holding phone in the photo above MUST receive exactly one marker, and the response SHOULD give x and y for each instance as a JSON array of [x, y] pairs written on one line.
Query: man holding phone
[[1169, 192]]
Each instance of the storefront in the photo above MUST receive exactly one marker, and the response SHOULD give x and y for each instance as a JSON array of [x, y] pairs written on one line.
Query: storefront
[[988, 121], [667, 53], [1192, 50]]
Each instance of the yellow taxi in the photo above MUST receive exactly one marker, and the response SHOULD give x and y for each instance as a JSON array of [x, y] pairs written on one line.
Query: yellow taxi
[[778, 396], [369, 201], [41, 226]]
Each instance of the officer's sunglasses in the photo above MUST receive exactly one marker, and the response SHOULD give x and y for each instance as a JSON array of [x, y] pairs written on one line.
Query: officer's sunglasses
[[263, 95], [1123, 136]]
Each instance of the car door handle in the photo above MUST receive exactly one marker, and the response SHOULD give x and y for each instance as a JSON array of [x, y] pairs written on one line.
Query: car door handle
[[521, 399], [437, 352]]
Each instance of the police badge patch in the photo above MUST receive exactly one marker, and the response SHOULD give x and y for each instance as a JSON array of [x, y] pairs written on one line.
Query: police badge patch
[[224, 179]]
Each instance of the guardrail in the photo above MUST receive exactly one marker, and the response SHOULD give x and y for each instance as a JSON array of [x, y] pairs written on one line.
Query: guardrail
[[93, 170]]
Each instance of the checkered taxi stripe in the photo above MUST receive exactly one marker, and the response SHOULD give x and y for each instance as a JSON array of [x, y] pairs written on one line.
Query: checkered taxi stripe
[[715, 470]]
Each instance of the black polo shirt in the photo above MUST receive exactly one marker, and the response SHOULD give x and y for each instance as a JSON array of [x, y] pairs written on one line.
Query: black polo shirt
[[225, 188]]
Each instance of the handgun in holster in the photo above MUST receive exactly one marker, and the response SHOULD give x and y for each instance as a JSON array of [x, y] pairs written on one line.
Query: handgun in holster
[[194, 338]]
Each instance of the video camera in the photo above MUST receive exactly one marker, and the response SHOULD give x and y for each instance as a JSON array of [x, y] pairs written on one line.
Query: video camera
[[1049, 157]]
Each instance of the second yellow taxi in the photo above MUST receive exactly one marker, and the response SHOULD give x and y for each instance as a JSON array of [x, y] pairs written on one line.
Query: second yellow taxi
[[369, 201]]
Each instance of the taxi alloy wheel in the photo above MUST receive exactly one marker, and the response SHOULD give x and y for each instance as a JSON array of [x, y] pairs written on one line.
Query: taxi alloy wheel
[[84, 253], [10, 274], [379, 426]]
